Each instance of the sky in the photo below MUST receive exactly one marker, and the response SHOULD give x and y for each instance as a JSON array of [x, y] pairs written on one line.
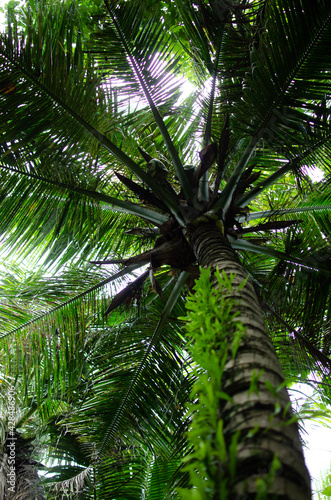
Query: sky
[[317, 449], [318, 437]]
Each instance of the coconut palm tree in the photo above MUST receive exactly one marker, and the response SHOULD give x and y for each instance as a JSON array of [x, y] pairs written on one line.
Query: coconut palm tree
[[103, 160]]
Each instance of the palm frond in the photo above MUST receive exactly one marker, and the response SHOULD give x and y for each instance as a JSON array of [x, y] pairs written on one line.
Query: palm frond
[[137, 373]]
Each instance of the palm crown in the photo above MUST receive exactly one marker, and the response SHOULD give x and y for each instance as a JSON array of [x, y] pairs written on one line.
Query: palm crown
[[104, 162]]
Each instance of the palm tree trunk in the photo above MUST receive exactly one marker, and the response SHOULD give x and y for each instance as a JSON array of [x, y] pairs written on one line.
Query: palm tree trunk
[[19, 479], [262, 416]]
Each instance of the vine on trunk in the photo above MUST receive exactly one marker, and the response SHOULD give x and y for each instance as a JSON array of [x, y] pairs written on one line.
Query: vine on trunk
[[215, 335]]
